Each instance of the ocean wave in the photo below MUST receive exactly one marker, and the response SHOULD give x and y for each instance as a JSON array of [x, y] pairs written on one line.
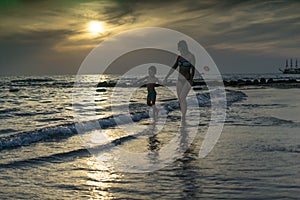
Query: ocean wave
[[249, 106], [272, 121], [233, 96], [15, 84], [30, 80], [26, 114], [48, 84], [260, 121], [27, 138], [8, 130], [68, 130], [50, 158], [289, 149], [9, 110], [64, 156], [64, 131], [50, 119]]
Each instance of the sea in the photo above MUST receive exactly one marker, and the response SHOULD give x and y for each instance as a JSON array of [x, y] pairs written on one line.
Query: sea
[[45, 153]]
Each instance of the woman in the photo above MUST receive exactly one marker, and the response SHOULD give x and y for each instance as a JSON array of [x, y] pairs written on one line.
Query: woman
[[186, 64]]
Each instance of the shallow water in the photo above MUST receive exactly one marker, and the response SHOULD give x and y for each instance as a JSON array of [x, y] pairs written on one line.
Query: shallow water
[[256, 157]]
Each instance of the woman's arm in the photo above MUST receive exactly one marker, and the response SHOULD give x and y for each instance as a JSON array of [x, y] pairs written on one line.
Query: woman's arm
[[159, 81], [174, 67]]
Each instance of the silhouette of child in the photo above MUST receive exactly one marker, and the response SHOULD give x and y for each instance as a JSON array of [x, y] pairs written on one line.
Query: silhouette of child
[[151, 82]]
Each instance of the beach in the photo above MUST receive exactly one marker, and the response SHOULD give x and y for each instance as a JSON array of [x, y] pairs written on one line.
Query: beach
[[43, 156]]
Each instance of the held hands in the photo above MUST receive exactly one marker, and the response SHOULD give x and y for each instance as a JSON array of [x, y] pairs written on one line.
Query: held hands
[[165, 81]]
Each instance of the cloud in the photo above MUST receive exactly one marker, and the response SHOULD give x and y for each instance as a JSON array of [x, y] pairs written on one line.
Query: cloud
[[236, 25], [33, 28]]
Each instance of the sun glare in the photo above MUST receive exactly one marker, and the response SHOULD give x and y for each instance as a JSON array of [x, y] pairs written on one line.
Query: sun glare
[[95, 27]]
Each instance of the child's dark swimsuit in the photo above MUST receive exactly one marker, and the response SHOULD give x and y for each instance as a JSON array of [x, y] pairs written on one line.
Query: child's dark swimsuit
[[151, 90], [151, 94]]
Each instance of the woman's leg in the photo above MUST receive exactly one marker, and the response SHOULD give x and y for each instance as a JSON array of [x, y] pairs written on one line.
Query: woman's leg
[[183, 87]]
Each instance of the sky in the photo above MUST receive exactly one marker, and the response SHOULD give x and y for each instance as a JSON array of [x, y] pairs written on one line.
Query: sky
[[41, 37]]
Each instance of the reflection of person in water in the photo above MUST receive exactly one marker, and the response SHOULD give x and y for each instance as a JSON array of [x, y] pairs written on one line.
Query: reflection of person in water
[[186, 64], [153, 144], [186, 171], [151, 83]]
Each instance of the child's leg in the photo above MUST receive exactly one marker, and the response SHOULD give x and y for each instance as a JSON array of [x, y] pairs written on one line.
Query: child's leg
[[149, 103], [155, 110], [153, 100]]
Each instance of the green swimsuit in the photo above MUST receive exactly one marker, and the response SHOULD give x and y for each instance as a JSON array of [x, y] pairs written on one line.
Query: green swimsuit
[[151, 94]]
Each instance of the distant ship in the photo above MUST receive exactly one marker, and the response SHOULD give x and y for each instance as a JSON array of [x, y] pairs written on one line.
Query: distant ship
[[292, 69]]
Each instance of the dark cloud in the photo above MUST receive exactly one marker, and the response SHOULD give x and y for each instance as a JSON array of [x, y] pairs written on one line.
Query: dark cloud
[[238, 34], [33, 53], [38, 36]]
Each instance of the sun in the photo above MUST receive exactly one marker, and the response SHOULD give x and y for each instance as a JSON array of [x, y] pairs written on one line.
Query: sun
[[95, 27]]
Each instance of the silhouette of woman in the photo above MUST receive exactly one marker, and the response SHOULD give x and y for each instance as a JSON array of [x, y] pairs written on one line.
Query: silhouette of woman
[[186, 64]]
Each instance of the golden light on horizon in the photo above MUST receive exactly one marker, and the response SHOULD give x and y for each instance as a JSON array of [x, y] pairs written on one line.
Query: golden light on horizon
[[96, 27]]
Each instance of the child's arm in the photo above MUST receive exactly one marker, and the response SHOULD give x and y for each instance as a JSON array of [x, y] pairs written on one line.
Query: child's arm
[[139, 80]]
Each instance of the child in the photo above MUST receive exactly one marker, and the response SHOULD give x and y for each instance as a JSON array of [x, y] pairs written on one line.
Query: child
[[151, 82]]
